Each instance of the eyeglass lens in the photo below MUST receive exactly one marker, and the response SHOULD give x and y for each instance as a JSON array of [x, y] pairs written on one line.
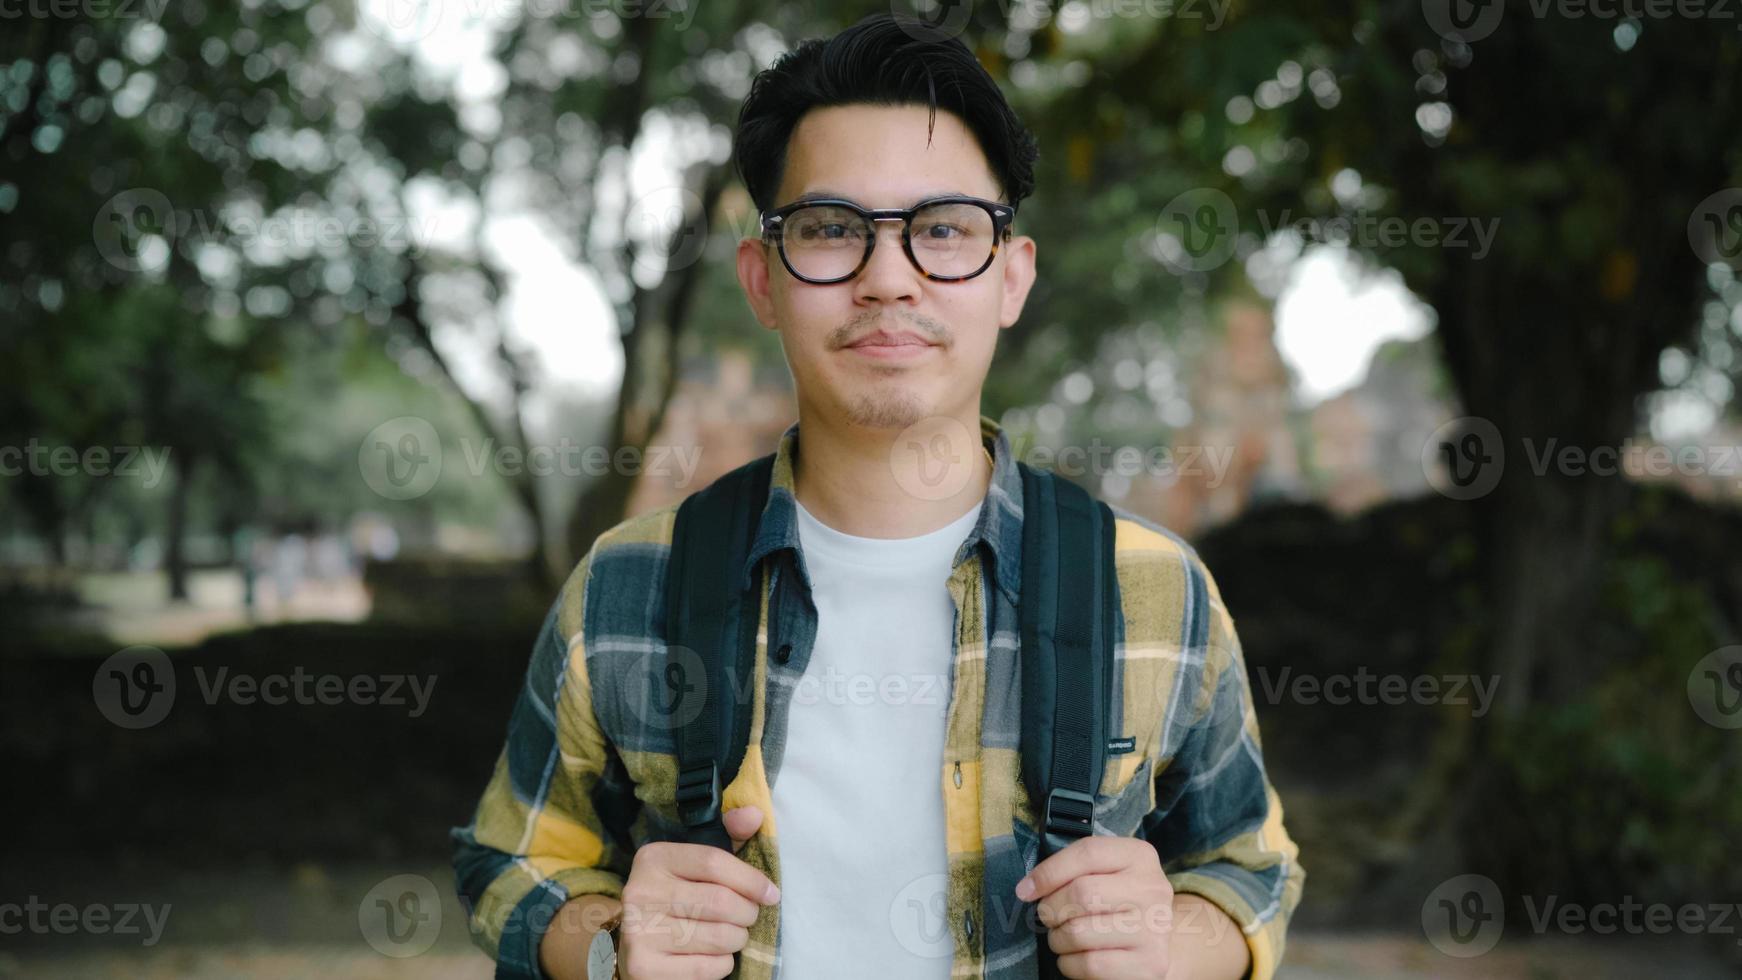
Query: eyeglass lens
[[827, 241]]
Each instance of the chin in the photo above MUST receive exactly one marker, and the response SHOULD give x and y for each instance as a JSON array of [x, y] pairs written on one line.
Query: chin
[[887, 409]]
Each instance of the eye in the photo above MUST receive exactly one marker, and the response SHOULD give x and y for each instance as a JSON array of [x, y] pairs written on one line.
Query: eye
[[953, 225], [943, 232], [825, 229]]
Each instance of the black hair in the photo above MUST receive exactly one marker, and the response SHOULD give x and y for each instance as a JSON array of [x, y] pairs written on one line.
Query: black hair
[[884, 59]]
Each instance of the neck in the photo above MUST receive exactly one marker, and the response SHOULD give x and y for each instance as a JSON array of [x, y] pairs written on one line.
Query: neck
[[890, 482]]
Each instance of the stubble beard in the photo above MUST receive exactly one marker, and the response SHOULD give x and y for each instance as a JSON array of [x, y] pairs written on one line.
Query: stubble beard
[[889, 403], [894, 407]]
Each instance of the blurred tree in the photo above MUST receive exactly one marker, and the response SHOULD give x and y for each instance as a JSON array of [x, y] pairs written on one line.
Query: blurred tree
[[613, 132], [1594, 143], [620, 131], [111, 333]]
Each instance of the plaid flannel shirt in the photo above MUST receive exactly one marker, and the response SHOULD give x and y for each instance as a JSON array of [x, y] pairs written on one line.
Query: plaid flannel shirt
[[588, 772]]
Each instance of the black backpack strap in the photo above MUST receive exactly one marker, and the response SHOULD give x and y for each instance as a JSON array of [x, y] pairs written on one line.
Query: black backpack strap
[[1068, 594], [707, 615]]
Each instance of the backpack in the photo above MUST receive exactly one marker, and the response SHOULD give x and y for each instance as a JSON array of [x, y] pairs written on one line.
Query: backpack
[[1067, 613]]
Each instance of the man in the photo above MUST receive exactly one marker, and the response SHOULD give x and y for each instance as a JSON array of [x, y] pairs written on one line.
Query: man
[[882, 833]]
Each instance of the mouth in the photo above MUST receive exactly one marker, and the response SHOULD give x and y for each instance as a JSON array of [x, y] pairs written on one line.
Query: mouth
[[889, 340], [896, 341], [887, 348]]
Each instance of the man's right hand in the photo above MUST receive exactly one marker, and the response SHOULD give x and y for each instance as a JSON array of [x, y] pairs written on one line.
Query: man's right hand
[[687, 908]]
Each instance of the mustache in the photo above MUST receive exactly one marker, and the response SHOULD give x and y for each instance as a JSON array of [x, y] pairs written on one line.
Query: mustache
[[934, 331]]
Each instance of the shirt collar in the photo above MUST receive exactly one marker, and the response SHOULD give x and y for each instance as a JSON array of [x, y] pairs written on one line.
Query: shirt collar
[[999, 526]]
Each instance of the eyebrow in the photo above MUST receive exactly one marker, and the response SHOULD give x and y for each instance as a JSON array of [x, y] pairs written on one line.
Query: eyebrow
[[825, 193]]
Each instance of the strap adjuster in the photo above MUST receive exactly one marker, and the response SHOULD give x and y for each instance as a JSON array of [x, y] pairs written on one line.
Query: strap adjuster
[[698, 794], [1069, 813]]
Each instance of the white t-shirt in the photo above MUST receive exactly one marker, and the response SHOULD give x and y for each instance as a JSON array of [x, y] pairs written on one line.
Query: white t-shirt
[[858, 799]]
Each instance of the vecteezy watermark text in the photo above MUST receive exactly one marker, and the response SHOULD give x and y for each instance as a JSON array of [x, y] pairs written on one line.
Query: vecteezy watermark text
[[150, 10], [569, 458], [1366, 688], [146, 463], [1465, 916], [1466, 457], [1199, 230], [38, 917], [1469, 21], [402, 458], [136, 688], [409, 21], [136, 229]]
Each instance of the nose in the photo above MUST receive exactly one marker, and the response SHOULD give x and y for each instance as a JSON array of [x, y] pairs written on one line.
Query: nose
[[888, 277]]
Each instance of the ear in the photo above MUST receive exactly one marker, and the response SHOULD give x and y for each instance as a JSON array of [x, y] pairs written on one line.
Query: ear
[[1018, 254], [753, 275]]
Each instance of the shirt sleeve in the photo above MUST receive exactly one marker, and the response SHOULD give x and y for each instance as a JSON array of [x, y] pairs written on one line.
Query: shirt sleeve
[[549, 826], [1218, 821]]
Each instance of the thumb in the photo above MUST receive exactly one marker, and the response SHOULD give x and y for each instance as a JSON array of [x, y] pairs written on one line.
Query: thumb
[[742, 823]]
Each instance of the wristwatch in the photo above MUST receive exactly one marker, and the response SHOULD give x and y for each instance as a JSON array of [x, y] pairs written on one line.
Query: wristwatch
[[602, 954]]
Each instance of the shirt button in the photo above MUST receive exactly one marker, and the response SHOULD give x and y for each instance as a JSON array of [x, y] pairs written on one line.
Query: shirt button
[[958, 775], [968, 924], [783, 654]]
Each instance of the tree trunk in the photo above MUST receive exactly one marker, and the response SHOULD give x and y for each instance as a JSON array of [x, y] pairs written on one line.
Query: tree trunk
[[524, 485], [175, 534], [657, 321]]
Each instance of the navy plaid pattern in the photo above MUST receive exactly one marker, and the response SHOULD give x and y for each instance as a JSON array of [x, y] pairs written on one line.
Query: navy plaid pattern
[[588, 771]]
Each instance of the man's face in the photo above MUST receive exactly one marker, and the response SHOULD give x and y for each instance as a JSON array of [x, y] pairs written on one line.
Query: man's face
[[878, 157]]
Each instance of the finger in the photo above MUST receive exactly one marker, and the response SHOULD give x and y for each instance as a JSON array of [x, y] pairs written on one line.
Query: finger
[[1085, 895], [1088, 855], [700, 862], [1112, 930], [1103, 964], [708, 902], [741, 824], [701, 966], [690, 936]]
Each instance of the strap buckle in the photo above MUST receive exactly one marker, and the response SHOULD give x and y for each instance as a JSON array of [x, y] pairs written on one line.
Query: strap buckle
[[1070, 813], [698, 794]]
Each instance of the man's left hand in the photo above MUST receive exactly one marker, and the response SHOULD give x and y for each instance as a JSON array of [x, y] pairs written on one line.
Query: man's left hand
[[1107, 907]]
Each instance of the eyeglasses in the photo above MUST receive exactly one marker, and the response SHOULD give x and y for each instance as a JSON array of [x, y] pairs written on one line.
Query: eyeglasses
[[947, 239]]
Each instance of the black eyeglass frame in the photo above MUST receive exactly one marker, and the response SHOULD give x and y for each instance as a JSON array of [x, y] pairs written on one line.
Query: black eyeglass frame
[[774, 221]]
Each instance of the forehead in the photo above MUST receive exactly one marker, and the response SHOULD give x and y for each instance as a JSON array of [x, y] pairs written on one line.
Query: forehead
[[883, 156]]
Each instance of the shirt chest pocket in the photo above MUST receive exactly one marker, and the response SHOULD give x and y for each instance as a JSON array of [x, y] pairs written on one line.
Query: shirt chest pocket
[[1126, 797]]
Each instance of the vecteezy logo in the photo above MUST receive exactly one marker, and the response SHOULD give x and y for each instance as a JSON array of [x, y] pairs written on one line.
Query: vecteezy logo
[[1464, 916], [919, 917], [1196, 231], [135, 687], [1715, 688], [1464, 458], [666, 688], [934, 458], [672, 227], [401, 458], [1715, 229], [1468, 21], [403, 21], [401, 916], [135, 230], [931, 20], [935, 451]]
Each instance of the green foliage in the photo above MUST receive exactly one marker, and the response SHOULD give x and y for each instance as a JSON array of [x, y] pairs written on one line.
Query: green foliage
[[321, 413], [1627, 790]]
